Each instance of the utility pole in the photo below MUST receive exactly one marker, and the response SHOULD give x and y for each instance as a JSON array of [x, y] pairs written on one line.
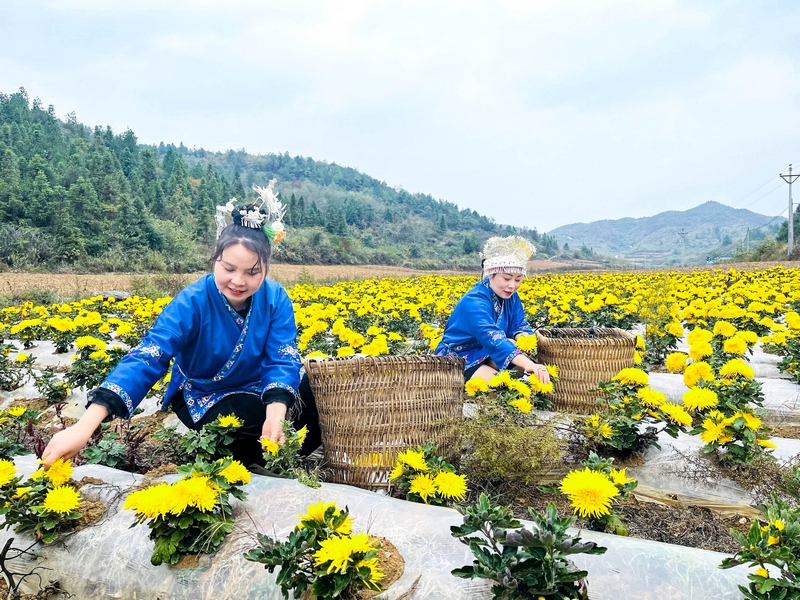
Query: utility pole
[[790, 180], [683, 235], [748, 239]]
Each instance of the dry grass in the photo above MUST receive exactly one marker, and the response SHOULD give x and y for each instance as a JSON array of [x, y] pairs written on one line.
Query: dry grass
[[72, 285]]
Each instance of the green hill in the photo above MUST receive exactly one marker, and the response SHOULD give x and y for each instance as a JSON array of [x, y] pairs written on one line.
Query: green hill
[[712, 229], [86, 199]]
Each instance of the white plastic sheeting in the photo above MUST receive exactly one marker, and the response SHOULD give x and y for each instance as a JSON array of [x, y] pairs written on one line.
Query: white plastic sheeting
[[112, 560]]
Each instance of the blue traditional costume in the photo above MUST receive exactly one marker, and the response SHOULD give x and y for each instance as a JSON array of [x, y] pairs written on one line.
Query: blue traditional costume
[[481, 325], [217, 352], [226, 360]]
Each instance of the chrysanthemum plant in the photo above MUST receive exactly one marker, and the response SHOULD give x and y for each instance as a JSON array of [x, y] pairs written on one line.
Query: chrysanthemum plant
[[321, 554], [13, 372], [13, 422], [285, 459], [787, 344], [593, 490], [212, 440], [50, 386], [43, 505], [723, 395], [424, 476], [522, 394], [93, 362], [523, 563], [636, 415], [503, 438], [774, 548], [194, 514]]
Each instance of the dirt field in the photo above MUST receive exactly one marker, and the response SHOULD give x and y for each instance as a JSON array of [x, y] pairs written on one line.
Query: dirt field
[[78, 286]]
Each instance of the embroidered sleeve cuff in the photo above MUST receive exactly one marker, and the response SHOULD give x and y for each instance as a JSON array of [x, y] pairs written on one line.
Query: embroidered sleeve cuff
[[511, 357], [113, 403], [277, 394]]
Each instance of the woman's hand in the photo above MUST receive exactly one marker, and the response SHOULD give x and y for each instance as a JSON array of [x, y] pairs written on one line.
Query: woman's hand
[[273, 428], [532, 368], [67, 443], [540, 372]]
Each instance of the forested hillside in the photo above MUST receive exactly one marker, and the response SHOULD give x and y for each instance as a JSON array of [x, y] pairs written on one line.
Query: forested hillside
[[83, 199]]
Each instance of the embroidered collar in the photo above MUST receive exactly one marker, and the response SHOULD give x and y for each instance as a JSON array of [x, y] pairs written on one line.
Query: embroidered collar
[[497, 301]]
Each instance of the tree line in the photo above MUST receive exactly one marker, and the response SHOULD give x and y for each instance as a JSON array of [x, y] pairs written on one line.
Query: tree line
[[87, 199]]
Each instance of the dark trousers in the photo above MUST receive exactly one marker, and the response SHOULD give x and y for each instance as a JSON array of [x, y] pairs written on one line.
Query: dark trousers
[[248, 407]]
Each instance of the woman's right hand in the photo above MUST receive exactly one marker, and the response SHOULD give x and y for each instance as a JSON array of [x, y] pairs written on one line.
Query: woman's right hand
[[67, 443]]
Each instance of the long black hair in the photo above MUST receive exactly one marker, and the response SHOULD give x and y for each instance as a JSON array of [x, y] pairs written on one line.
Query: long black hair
[[254, 240]]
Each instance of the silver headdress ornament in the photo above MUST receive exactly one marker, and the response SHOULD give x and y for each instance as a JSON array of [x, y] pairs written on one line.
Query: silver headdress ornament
[[506, 255], [265, 212]]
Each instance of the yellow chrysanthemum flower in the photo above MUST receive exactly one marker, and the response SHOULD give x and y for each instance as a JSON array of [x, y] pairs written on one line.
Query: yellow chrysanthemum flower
[[605, 431], [414, 459], [700, 350], [618, 477], [676, 361], [60, 472], [450, 485], [424, 486], [20, 492], [676, 414], [674, 328], [523, 405], [375, 574], [697, 371], [750, 420], [698, 334], [526, 343], [269, 446], [650, 397], [62, 500], [16, 411], [229, 421], [552, 370], [475, 385], [761, 572], [700, 398], [766, 444], [7, 472], [589, 492], [338, 551], [397, 472], [631, 375], [198, 492], [735, 345], [724, 329], [236, 473], [316, 512], [712, 431], [737, 367]]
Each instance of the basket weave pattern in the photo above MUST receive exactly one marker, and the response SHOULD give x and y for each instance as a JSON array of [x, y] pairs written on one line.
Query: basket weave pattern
[[584, 358], [372, 408]]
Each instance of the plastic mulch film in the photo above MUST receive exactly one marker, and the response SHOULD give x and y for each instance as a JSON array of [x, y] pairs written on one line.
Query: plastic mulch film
[[781, 397], [112, 560]]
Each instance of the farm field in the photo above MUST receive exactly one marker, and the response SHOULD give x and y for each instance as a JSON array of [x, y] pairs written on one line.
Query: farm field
[[712, 381]]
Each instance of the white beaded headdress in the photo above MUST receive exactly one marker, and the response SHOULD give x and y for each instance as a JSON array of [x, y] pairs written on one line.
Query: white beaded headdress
[[265, 212], [506, 255]]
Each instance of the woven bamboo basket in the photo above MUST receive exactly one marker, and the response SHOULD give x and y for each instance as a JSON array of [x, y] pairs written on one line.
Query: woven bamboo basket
[[584, 358], [372, 408]]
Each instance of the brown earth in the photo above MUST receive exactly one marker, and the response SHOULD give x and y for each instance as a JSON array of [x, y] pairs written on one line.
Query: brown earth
[[693, 526]]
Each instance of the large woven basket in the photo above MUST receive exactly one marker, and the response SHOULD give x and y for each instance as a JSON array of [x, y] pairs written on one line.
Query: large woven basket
[[372, 408], [584, 358]]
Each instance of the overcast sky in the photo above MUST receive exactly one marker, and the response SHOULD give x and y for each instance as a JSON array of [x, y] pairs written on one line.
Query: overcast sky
[[535, 113]]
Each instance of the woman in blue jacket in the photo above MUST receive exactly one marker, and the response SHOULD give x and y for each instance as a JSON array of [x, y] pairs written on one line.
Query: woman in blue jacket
[[489, 318], [232, 338]]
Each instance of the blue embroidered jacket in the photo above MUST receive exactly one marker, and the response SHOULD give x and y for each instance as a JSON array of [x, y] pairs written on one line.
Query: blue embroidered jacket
[[217, 352], [481, 325]]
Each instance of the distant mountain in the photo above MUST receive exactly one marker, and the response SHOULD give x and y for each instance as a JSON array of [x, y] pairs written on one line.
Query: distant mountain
[[711, 229]]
